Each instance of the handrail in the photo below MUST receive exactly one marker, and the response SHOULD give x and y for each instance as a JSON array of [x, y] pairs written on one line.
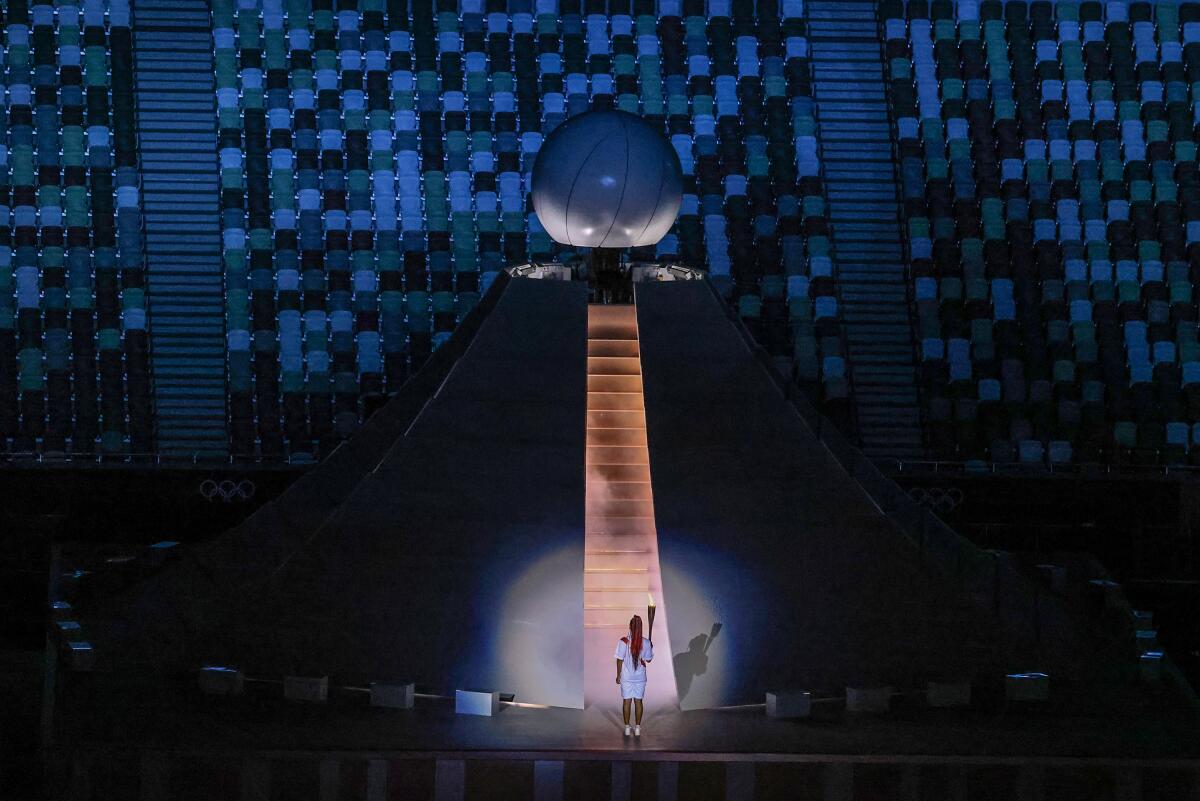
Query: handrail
[[196, 459], [1036, 469]]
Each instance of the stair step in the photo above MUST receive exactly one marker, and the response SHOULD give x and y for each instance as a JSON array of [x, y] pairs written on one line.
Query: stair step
[[614, 365], [625, 437], [613, 347], [596, 539], [615, 401], [620, 539], [858, 162], [616, 419], [611, 551], [620, 507], [618, 561], [184, 288], [622, 524]]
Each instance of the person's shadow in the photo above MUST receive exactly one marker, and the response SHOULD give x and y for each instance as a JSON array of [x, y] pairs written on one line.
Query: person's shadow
[[694, 661]]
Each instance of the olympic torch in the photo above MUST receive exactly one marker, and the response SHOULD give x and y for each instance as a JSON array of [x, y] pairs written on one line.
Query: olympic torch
[[650, 608]]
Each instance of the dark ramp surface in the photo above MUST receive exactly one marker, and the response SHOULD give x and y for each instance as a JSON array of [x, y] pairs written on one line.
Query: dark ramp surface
[[765, 541], [455, 559]]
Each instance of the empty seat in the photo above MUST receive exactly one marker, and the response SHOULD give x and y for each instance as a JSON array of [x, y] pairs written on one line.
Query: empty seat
[[1045, 128], [397, 153], [74, 355]]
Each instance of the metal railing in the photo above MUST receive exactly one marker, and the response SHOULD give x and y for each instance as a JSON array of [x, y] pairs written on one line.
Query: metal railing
[[1035, 469], [197, 459]]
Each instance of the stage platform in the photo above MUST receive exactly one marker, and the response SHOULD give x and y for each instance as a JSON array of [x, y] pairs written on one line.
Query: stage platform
[[444, 545], [262, 747]]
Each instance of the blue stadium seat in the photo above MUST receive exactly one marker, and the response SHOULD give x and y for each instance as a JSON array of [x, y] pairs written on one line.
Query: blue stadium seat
[[375, 172], [1046, 150], [74, 359]]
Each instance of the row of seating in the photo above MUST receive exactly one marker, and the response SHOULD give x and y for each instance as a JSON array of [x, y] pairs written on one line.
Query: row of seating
[[74, 366], [1052, 200], [375, 167]]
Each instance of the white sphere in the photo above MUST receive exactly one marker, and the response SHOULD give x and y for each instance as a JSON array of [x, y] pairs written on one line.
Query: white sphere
[[606, 179]]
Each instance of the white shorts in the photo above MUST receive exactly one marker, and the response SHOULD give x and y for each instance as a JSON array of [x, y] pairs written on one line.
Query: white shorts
[[633, 689]]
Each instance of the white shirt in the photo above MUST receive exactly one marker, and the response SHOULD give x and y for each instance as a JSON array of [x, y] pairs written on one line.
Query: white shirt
[[629, 671]]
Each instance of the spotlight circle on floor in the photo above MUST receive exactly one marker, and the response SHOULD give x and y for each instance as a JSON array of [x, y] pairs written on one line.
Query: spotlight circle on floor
[[607, 179]]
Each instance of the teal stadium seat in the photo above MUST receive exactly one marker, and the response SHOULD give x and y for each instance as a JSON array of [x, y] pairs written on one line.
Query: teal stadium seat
[[74, 361], [1048, 151], [376, 157]]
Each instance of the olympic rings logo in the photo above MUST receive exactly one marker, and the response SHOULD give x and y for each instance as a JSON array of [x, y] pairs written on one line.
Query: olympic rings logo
[[941, 500], [227, 490]]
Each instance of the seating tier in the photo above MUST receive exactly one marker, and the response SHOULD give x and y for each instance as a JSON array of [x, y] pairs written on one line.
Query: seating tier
[[74, 366], [375, 166], [1048, 165]]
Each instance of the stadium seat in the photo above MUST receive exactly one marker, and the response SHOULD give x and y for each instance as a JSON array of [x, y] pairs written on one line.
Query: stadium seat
[[74, 355], [1063, 134], [376, 161]]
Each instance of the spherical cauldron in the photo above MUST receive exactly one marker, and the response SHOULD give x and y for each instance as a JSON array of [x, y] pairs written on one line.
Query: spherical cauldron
[[606, 179]]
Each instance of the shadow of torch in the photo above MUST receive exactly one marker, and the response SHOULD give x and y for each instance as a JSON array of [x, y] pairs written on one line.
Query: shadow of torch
[[650, 609]]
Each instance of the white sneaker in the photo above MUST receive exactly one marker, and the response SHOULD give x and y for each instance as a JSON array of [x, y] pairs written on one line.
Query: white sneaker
[[626, 731], [637, 731]]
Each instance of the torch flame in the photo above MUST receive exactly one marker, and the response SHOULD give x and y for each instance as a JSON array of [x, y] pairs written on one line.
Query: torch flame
[[650, 601]]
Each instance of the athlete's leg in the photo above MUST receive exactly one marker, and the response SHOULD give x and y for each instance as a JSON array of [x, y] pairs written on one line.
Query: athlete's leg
[[637, 705], [625, 710]]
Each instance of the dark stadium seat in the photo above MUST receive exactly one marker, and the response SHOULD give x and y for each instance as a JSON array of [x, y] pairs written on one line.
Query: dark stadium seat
[[375, 170], [1047, 155], [74, 354]]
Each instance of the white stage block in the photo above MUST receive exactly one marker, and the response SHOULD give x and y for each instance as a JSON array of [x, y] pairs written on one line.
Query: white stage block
[[81, 656], [1150, 665], [868, 699], [948, 693], [1056, 577], [314, 689], [475, 702], [1109, 591], [1027, 686], [69, 630], [791, 704], [160, 553], [216, 680], [392, 695]]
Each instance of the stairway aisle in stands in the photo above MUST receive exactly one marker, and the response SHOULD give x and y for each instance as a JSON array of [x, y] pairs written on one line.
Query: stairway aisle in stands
[[620, 563], [177, 132], [856, 143]]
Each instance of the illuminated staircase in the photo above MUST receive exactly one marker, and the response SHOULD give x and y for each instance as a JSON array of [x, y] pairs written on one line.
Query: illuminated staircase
[[620, 544]]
